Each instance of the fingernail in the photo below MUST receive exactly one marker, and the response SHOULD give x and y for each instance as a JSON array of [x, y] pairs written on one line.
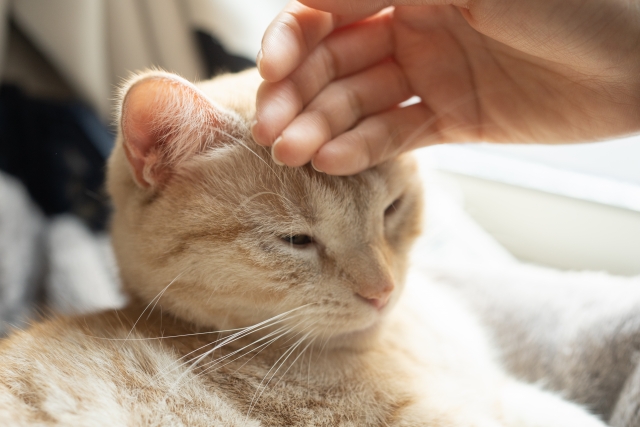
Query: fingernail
[[252, 128], [314, 167], [259, 59], [273, 152]]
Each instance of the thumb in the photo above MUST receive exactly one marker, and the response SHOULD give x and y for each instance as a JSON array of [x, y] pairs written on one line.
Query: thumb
[[359, 7]]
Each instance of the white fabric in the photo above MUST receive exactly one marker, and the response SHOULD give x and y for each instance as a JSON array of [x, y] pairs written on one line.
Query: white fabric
[[450, 235], [82, 270], [21, 255]]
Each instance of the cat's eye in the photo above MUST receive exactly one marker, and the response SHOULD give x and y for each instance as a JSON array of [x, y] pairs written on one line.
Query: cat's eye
[[392, 207], [297, 239]]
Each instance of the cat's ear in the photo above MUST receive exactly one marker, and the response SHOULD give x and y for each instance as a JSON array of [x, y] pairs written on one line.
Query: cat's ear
[[165, 120]]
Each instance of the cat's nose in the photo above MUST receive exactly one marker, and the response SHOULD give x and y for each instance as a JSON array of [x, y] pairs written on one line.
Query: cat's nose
[[378, 295]]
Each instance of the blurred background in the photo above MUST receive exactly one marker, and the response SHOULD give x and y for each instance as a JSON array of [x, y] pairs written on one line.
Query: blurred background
[[62, 60], [60, 64], [570, 207]]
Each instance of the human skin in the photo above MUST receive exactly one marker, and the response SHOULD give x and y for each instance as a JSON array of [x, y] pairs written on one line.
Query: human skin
[[544, 71]]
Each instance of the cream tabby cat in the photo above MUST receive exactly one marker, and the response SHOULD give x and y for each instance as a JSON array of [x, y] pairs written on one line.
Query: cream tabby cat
[[304, 272]]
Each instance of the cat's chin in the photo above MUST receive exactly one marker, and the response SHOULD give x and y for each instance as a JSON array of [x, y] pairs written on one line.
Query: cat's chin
[[358, 338]]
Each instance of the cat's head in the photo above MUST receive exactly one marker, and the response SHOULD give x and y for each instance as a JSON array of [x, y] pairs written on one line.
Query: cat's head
[[226, 238]]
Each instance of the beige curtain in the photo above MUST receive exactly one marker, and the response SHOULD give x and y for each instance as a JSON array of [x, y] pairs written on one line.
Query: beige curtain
[[93, 44]]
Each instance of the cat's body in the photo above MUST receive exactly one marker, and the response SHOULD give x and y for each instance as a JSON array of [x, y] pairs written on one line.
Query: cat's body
[[210, 235], [431, 368]]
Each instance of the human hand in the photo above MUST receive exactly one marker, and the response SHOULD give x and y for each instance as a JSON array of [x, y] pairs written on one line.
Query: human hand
[[492, 70]]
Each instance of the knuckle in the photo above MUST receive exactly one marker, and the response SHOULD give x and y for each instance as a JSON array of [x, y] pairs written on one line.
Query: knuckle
[[295, 96], [354, 101], [322, 121], [330, 62]]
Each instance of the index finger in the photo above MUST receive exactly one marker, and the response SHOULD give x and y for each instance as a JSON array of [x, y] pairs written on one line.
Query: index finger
[[292, 36]]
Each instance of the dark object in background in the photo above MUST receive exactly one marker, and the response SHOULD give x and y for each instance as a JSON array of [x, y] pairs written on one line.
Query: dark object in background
[[216, 59], [58, 150]]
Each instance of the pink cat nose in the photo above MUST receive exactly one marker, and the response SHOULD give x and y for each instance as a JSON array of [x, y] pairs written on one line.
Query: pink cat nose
[[377, 296], [378, 303]]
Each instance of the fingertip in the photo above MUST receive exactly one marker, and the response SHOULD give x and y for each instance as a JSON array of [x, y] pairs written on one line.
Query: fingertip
[[341, 157], [258, 134], [276, 106], [302, 138], [315, 167], [274, 154], [285, 151]]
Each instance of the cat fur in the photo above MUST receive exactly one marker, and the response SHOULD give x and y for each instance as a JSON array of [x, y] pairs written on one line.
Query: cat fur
[[200, 212]]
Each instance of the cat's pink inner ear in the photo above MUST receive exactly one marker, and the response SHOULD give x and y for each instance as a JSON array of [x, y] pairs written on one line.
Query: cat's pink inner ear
[[137, 129], [163, 122]]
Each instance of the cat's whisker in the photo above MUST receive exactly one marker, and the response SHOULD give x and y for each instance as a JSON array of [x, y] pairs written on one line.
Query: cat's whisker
[[179, 380], [238, 335], [227, 340], [221, 359], [312, 327], [261, 389], [224, 341], [326, 340], [269, 335], [290, 328], [292, 337], [154, 301], [302, 327], [164, 336], [260, 351], [294, 360], [286, 355], [309, 368], [261, 347]]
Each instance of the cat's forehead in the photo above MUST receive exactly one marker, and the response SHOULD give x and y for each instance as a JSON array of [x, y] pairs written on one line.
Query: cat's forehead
[[242, 174], [316, 195]]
